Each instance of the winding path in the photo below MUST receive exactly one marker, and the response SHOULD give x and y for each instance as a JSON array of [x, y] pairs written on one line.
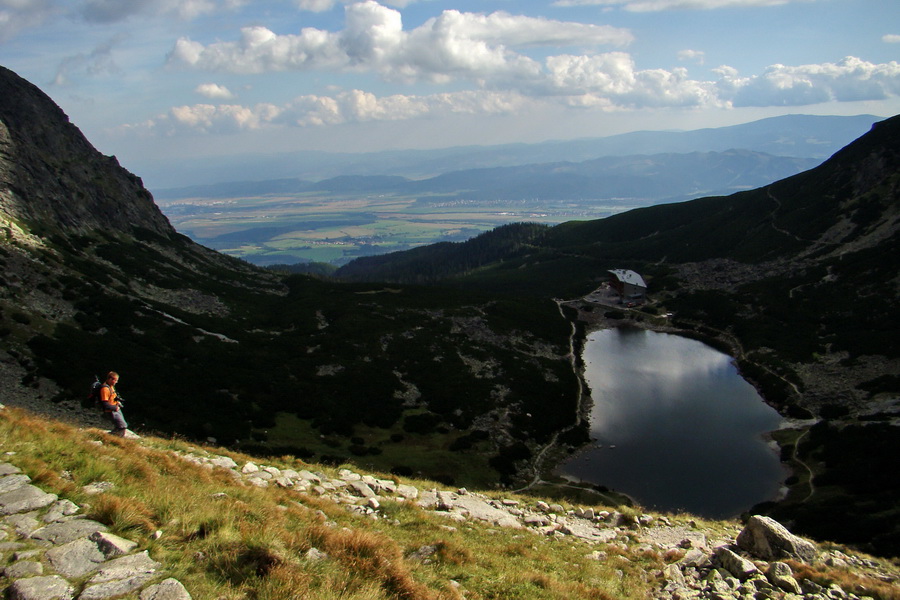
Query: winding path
[[538, 461]]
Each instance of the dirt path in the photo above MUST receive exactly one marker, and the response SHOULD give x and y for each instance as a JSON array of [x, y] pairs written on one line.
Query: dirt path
[[537, 464]]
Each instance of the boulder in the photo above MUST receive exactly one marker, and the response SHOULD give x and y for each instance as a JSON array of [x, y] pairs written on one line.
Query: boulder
[[24, 498], [780, 575], [76, 558], [170, 589], [769, 540], [735, 564], [51, 587]]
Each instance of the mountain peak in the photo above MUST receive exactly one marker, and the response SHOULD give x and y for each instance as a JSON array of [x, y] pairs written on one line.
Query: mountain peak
[[43, 157]]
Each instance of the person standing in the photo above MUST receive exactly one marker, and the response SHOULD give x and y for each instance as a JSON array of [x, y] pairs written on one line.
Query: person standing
[[112, 404]]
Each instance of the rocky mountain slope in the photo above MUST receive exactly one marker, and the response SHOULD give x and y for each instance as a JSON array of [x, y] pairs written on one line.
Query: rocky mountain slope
[[410, 379]]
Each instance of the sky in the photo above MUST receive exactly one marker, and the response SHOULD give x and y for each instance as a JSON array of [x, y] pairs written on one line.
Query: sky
[[164, 80]]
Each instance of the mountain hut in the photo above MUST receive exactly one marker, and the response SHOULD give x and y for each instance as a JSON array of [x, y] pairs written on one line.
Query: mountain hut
[[628, 284]]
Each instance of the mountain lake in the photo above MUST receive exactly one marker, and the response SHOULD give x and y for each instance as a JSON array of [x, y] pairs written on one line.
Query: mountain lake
[[675, 427]]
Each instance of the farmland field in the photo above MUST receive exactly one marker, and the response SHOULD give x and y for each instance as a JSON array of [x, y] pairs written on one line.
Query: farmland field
[[336, 228]]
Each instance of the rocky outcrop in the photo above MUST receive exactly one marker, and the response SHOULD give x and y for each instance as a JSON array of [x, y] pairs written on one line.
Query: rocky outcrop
[[769, 540], [50, 551], [51, 175]]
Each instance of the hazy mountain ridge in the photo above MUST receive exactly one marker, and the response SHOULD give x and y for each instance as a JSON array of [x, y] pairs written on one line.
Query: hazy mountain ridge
[[644, 179], [800, 136]]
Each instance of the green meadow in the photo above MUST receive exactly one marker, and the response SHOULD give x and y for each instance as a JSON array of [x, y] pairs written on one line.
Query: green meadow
[[336, 228]]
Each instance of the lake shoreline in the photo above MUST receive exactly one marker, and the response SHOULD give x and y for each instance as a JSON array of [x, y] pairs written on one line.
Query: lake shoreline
[[590, 317]]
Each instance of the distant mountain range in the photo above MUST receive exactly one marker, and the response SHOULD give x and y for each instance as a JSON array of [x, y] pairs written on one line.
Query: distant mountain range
[[797, 136], [637, 180]]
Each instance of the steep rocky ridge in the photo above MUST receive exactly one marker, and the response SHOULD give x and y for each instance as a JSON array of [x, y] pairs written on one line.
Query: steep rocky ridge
[[49, 172]]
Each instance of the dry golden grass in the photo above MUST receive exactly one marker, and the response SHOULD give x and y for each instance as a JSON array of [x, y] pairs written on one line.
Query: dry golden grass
[[848, 580], [228, 541]]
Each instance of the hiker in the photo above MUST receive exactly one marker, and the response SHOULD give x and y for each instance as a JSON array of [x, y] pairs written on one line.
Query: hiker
[[112, 405]]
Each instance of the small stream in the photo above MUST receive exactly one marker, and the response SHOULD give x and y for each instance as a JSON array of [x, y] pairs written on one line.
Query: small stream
[[676, 427]]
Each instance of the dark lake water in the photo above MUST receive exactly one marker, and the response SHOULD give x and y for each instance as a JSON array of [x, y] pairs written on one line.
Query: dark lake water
[[687, 430]]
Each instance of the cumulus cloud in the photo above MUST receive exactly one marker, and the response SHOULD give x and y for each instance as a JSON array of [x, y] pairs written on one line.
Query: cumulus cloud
[[608, 82], [343, 107], [452, 45], [611, 80], [891, 38], [848, 80], [213, 91], [658, 5]]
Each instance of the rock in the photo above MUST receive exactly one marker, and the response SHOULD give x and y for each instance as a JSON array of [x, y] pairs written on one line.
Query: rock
[[170, 589], [23, 568], [126, 567], [76, 558], [8, 469], [60, 509], [310, 476], [737, 565], [674, 577], [314, 555], [361, 489], [780, 575], [25, 498], [249, 468], [63, 533], [11, 482], [224, 462], [51, 587], [694, 558], [767, 539], [114, 589], [587, 531], [98, 487], [23, 524], [423, 554], [112, 545], [407, 491]]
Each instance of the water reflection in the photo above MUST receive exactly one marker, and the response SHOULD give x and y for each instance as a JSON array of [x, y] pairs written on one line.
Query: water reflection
[[686, 428]]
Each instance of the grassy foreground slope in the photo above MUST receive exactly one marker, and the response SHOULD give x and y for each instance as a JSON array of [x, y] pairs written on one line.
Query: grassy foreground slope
[[225, 539]]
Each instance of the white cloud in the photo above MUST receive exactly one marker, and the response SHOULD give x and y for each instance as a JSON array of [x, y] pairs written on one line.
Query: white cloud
[[891, 38], [343, 107], [697, 56], [611, 80], [213, 91], [658, 5], [849, 80], [608, 82], [453, 45]]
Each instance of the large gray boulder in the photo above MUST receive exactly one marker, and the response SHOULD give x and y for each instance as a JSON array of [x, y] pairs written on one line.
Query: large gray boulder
[[769, 540]]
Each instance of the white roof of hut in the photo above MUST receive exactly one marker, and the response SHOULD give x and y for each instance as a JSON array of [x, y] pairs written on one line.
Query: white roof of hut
[[628, 276]]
